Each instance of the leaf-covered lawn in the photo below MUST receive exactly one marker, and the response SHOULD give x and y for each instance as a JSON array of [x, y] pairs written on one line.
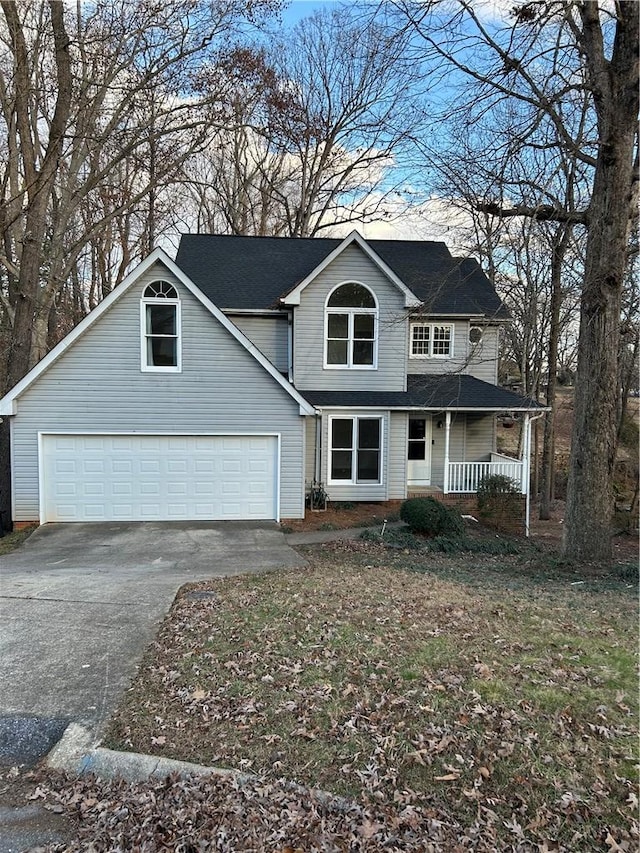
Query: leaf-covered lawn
[[503, 712]]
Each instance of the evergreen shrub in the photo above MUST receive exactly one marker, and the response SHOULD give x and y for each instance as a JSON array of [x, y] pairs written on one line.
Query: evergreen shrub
[[429, 516]]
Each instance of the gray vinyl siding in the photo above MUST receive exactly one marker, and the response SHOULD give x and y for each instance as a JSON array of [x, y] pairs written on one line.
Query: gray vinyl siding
[[456, 445], [397, 460], [97, 386], [480, 438], [310, 449], [471, 439], [309, 328], [356, 491], [269, 334], [480, 360]]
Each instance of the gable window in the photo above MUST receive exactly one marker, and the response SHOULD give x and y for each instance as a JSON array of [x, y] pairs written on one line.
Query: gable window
[[355, 450], [351, 319], [161, 328], [431, 340]]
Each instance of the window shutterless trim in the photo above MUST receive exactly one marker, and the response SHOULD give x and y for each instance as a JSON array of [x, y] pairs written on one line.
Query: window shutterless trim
[[354, 449], [351, 313], [432, 327], [145, 367]]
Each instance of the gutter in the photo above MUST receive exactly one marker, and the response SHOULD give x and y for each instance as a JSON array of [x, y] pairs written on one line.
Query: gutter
[[527, 510]]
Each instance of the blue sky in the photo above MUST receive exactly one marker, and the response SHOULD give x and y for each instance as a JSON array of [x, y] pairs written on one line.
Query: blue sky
[[301, 8]]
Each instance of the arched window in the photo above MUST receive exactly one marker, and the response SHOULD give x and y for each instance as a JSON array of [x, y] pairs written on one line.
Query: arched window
[[351, 327], [160, 316]]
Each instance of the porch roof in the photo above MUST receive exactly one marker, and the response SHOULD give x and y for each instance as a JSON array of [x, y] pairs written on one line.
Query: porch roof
[[454, 391]]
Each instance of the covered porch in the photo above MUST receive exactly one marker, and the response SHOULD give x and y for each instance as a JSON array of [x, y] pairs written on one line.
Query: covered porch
[[465, 477], [437, 437]]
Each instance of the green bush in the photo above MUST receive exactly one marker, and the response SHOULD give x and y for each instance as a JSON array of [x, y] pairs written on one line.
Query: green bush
[[427, 515], [496, 484], [403, 540], [495, 491]]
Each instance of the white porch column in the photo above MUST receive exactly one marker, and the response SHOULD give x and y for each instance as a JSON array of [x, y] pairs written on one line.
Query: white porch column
[[447, 431], [526, 471], [525, 458]]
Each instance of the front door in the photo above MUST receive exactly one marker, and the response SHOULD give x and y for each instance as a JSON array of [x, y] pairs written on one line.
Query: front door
[[419, 452]]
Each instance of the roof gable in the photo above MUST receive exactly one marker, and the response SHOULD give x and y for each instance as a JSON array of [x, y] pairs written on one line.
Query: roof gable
[[8, 403], [293, 297], [260, 273]]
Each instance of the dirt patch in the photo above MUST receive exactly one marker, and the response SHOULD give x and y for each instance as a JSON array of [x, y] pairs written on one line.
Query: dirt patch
[[340, 516], [549, 534]]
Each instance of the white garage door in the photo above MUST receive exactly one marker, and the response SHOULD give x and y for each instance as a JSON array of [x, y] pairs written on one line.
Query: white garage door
[[158, 477]]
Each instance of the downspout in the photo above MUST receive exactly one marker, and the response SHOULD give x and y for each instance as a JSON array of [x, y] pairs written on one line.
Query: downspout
[[317, 464], [447, 430], [526, 464], [290, 346]]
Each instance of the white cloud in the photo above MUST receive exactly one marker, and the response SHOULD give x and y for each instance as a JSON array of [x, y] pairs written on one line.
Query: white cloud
[[434, 219]]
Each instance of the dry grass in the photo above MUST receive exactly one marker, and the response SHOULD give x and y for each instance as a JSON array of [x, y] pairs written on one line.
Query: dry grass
[[15, 539], [504, 701]]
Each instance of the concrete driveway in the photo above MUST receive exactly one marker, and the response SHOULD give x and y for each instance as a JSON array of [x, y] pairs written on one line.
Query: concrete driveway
[[79, 603]]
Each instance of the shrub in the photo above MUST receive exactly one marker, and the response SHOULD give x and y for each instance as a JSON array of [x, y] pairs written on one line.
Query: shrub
[[496, 484], [498, 500], [402, 539], [427, 515], [495, 491]]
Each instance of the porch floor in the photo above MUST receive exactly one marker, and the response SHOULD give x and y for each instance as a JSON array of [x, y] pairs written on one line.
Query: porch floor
[[424, 491]]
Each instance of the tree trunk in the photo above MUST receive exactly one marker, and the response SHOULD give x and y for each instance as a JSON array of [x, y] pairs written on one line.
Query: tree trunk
[[561, 243], [593, 446], [40, 181]]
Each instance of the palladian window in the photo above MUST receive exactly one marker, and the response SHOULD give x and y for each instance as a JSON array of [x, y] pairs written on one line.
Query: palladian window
[[160, 327], [351, 327]]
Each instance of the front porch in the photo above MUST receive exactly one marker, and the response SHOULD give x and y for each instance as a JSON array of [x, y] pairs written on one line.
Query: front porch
[[465, 477], [439, 447]]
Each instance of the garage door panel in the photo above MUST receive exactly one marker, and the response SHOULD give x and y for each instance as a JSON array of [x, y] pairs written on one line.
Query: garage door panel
[[159, 477]]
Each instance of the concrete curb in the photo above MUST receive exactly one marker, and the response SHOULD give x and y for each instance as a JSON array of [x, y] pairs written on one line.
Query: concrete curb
[[77, 755]]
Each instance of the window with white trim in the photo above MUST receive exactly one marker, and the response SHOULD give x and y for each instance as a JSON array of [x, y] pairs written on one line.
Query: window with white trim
[[355, 450], [431, 340], [160, 318], [351, 325]]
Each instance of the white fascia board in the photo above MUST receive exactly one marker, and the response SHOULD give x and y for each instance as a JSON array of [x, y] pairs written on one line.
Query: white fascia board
[[326, 408], [8, 404], [410, 299], [256, 312]]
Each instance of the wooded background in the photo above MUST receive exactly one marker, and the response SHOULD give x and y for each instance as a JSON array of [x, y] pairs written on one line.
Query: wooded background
[[123, 124]]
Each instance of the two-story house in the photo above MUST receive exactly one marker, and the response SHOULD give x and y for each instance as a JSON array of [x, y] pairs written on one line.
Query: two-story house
[[221, 385]]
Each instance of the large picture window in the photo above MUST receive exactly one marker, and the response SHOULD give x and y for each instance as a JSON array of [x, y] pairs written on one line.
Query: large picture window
[[355, 450], [160, 327], [431, 340], [351, 328]]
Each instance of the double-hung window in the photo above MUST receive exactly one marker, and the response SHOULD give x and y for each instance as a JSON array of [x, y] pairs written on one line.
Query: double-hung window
[[431, 340], [351, 317], [160, 319], [355, 450]]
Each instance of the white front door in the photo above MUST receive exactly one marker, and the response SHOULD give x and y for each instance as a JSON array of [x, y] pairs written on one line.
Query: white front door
[[419, 452]]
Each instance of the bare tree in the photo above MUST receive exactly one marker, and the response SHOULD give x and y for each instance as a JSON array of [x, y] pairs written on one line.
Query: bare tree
[[90, 95], [551, 56], [313, 130]]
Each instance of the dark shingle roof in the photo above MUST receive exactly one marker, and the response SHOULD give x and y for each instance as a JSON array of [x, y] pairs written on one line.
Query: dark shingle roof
[[255, 272], [453, 391]]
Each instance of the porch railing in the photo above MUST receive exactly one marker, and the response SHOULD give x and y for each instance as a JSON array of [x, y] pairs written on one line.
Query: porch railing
[[464, 477]]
